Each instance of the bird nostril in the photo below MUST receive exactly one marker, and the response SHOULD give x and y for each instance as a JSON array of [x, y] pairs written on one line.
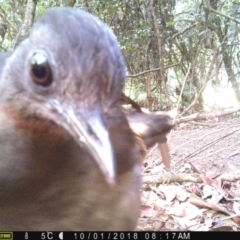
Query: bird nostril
[[40, 69]]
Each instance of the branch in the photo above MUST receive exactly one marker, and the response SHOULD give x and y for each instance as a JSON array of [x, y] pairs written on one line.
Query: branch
[[6, 20], [222, 14], [189, 177], [208, 77], [184, 30], [151, 70], [206, 116], [27, 23]]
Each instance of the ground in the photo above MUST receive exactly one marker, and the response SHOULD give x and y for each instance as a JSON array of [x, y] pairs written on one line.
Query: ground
[[202, 189]]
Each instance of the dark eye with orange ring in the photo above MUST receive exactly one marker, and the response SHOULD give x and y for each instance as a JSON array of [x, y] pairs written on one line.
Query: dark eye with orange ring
[[40, 69]]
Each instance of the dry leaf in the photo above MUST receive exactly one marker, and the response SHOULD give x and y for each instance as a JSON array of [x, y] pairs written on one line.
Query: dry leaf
[[146, 211]]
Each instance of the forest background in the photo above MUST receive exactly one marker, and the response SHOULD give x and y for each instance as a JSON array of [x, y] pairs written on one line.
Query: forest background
[[178, 53]]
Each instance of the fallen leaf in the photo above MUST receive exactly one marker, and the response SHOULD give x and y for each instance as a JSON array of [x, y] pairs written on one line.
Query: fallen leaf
[[146, 211]]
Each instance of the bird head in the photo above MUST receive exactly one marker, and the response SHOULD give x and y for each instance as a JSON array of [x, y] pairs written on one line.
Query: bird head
[[70, 71]]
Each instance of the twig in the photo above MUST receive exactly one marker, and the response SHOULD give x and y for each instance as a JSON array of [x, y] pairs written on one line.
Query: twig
[[222, 149], [196, 152], [199, 138]]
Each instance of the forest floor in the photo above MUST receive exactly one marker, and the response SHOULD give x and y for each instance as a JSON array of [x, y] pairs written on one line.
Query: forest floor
[[201, 192]]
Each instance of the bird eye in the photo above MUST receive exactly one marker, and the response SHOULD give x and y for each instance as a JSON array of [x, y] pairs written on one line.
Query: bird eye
[[40, 69]]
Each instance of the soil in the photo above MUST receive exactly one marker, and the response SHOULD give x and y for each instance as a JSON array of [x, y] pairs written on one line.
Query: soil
[[201, 191]]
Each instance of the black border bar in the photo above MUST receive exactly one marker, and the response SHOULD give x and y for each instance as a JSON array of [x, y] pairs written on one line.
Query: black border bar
[[7, 235]]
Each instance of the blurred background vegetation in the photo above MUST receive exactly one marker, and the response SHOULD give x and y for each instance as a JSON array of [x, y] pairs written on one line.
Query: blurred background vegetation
[[174, 50]]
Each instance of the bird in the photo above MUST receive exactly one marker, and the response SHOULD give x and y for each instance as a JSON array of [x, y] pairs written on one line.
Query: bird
[[69, 160], [70, 157], [127, 100], [3, 58], [152, 128]]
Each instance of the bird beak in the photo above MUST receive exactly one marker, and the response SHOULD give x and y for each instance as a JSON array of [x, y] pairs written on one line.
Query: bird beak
[[89, 130]]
